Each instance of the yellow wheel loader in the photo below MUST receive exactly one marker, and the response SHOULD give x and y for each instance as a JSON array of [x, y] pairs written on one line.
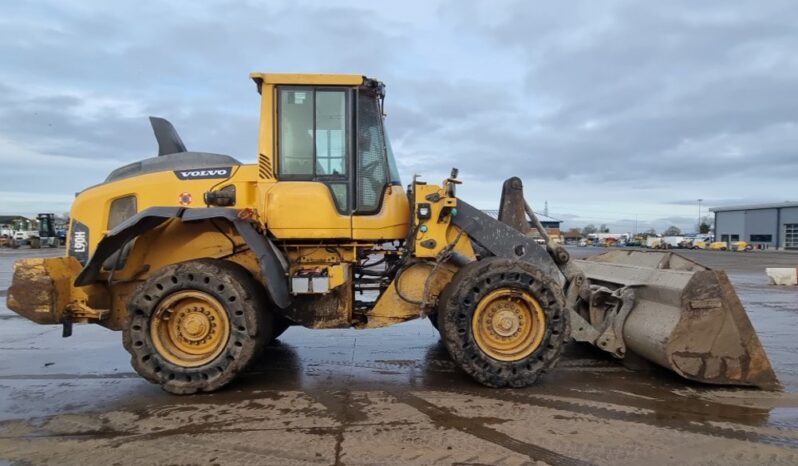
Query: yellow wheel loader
[[201, 260]]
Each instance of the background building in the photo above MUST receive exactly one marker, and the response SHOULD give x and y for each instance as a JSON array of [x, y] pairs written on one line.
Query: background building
[[552, 225], [762, 225], [16, 222]]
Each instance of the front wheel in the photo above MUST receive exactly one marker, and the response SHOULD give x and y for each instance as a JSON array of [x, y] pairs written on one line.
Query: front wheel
[[195, 325], [504, 322]]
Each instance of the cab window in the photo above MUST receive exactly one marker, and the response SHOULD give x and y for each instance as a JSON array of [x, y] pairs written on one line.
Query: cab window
[[330, 133], [372, 170], [296, 132], [312, 142]]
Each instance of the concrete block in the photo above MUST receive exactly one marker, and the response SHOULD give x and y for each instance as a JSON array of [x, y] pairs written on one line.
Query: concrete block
[[782, 276]]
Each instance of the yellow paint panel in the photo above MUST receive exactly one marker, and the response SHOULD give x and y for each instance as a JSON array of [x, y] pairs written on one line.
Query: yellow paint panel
[[304, 210], [396, 306], [391, 222], [92, 206], [340, 274], [437, 230], [391, 309], [320, 253], [309, 78], [175, 241], [267, 167]]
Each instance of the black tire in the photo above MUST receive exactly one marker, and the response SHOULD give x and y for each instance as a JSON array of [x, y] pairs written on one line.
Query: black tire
[[244, 303], [460, 299]]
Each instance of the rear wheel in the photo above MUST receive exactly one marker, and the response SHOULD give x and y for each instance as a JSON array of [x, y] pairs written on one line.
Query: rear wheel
[[503, 321], [195, 325]]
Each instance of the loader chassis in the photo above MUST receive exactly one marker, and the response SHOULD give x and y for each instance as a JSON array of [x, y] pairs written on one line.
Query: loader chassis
[[201, 260]]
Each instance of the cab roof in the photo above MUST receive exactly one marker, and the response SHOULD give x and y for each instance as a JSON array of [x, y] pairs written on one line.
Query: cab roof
[[308, 78]]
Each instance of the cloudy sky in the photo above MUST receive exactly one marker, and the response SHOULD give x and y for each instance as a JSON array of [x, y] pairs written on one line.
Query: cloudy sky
[[609, 111]]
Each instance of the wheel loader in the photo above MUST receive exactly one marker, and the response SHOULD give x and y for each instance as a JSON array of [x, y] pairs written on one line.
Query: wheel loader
[[201, 260]]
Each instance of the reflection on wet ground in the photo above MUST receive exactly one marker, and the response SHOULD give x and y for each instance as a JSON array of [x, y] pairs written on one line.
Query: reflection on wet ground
[[391, 396]]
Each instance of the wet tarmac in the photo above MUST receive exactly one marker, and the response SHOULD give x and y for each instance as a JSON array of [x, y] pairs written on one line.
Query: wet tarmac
[[392, 396]]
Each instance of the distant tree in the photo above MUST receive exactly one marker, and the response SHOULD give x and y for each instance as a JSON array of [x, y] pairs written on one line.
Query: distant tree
[[672, 231], [588, 230], [650, 232], [705, 225], [603, 229]]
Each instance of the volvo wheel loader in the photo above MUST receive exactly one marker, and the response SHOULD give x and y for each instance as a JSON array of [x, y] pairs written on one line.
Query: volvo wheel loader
[[201, 260]]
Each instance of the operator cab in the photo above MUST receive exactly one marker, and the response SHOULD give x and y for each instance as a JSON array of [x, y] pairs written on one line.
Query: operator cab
[[328, 130]]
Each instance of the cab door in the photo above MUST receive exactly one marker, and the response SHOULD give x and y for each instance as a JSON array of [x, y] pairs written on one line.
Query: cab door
[[381, 207], [313, 196]]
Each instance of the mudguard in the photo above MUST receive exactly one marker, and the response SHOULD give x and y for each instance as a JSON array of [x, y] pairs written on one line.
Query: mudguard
[[272, 263]]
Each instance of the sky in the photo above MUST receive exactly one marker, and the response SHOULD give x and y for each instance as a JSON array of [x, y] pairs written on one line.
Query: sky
[[622, 113]]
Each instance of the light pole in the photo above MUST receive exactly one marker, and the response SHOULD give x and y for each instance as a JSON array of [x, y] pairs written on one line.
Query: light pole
[[699, 216]]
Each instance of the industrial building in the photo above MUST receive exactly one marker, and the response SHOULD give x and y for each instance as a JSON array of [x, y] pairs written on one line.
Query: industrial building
[[15, 222], [763, 225]]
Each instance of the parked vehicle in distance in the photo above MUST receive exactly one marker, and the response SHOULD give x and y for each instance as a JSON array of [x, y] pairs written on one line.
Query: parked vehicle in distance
[[608, 242], [671, 242], [46, 236], [61, 234], [733, 246]]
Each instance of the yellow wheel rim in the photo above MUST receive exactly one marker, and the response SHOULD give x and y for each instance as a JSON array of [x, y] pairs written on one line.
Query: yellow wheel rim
[[508, 324], [189, 328]]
